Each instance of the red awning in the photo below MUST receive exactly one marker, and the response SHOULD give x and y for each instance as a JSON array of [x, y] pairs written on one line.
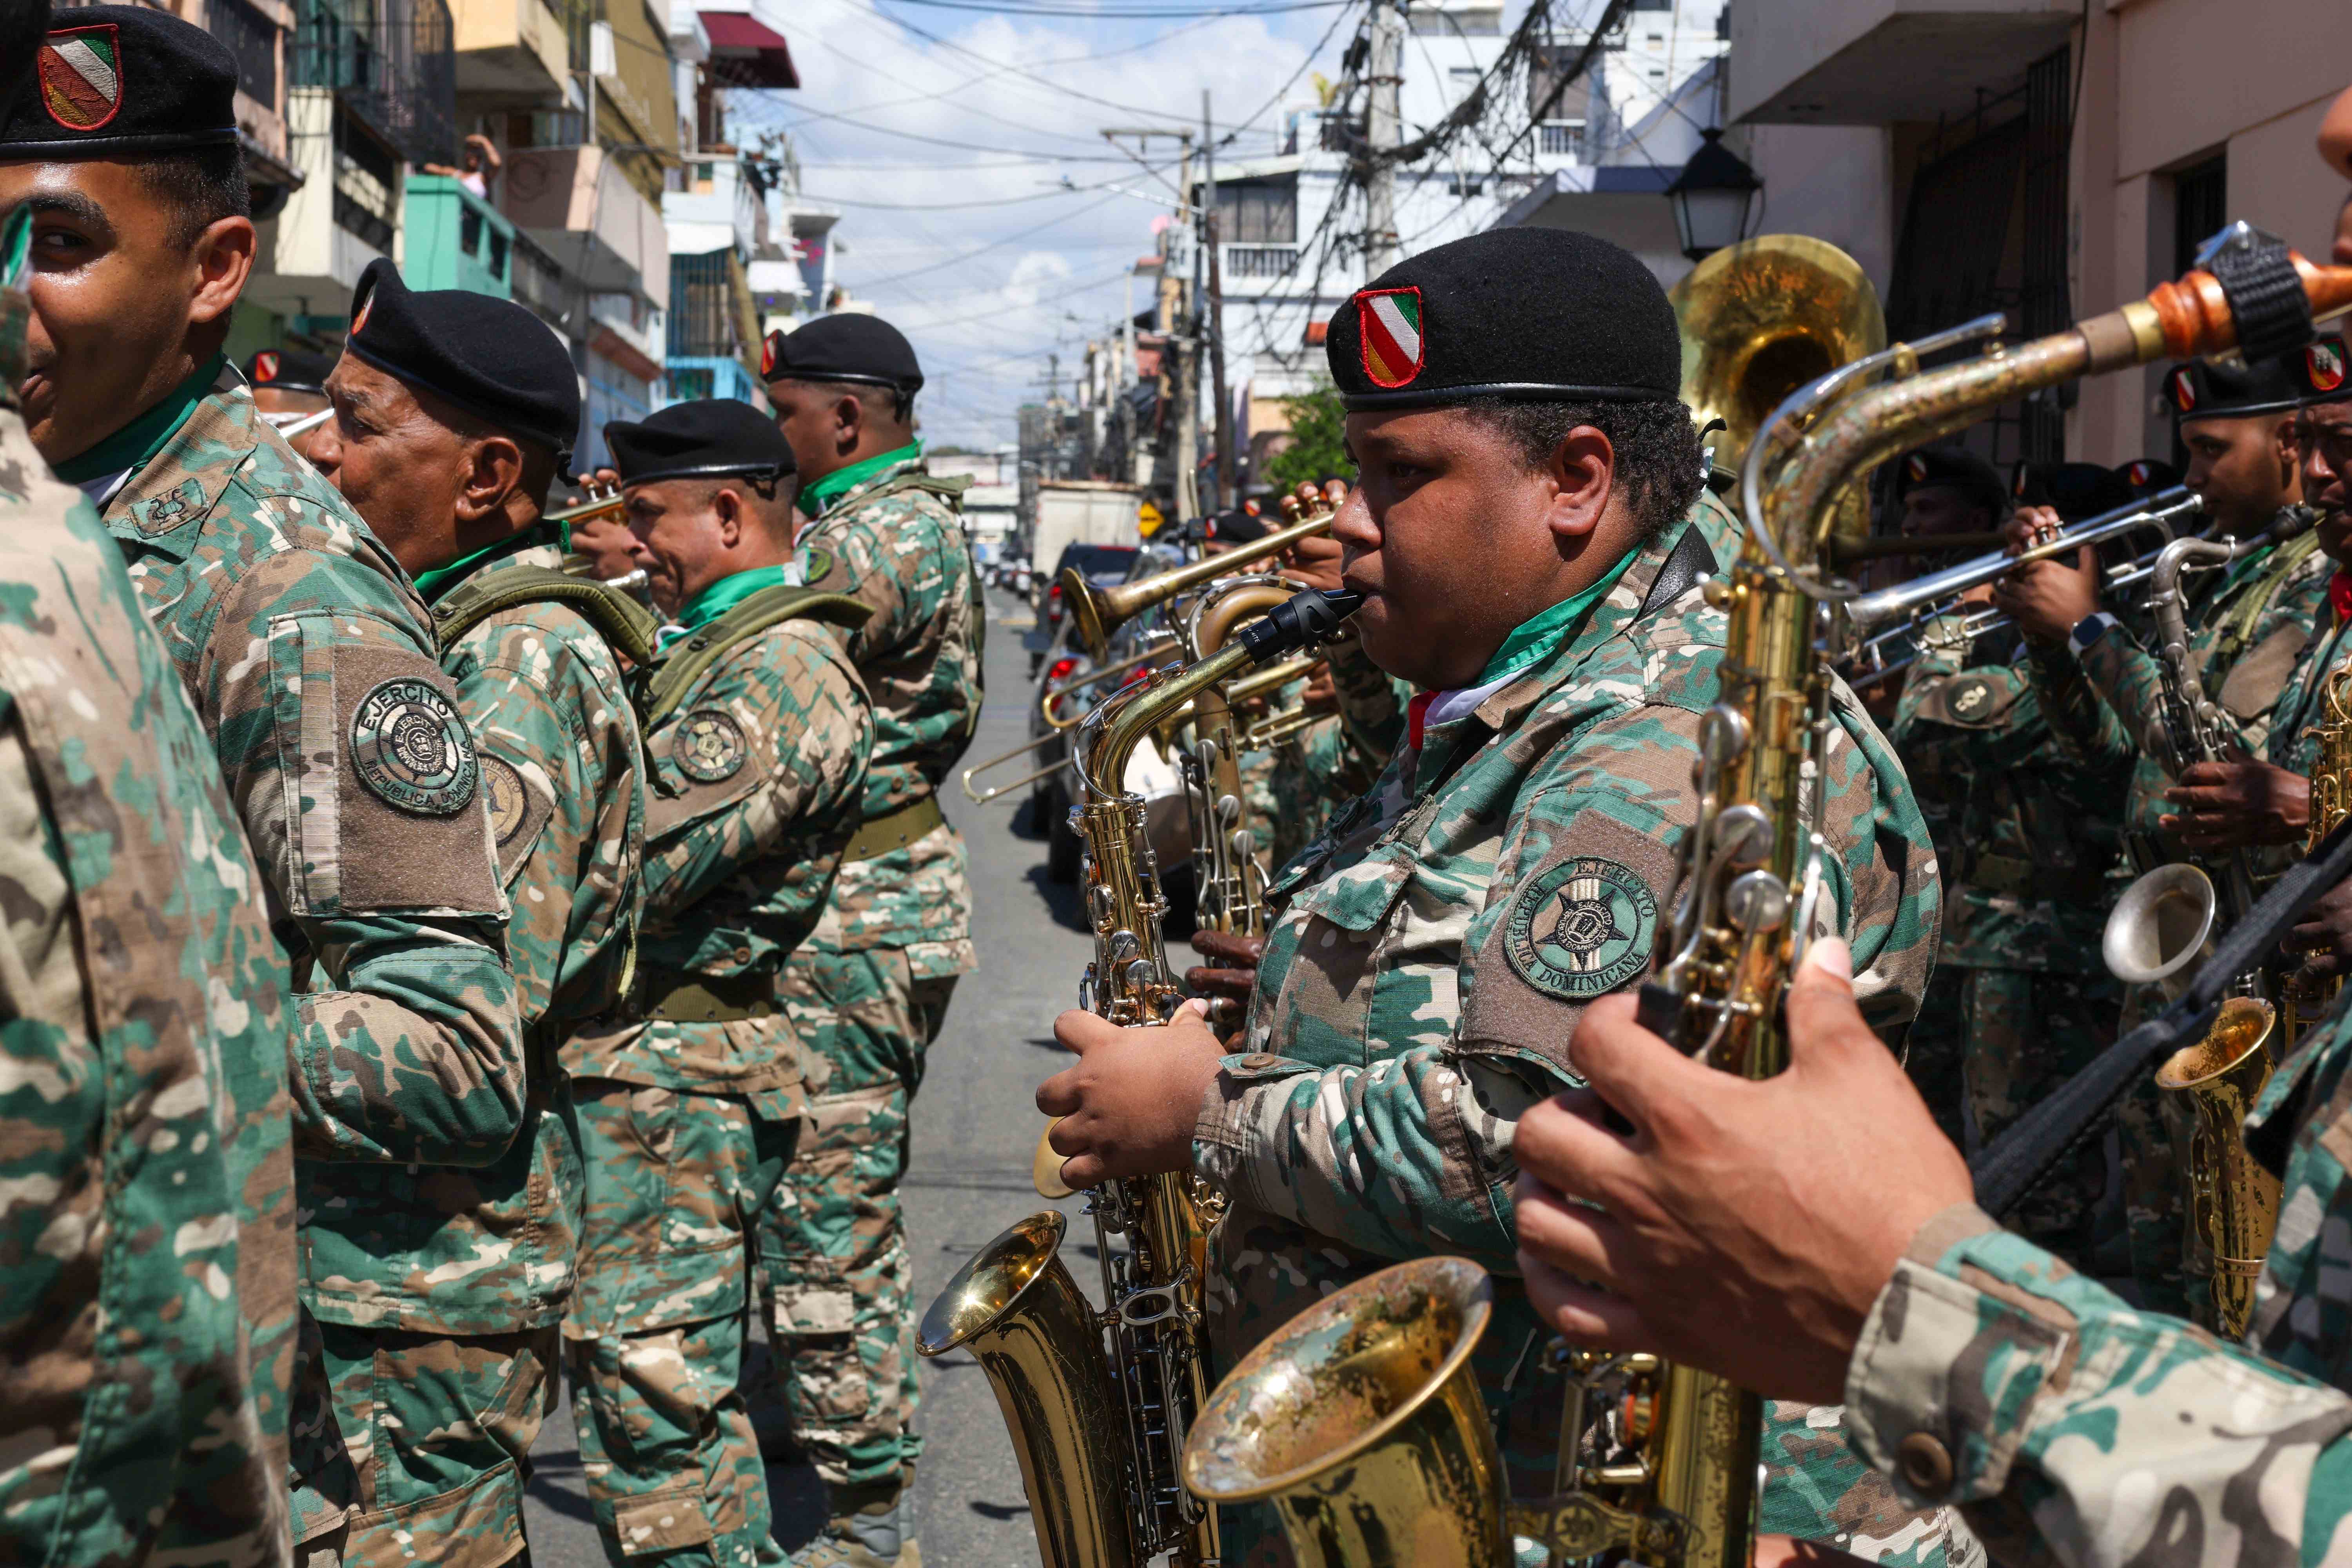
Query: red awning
[[746, 52]]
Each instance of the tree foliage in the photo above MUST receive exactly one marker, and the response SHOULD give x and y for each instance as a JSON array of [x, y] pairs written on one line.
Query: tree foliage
[[1317, 448]]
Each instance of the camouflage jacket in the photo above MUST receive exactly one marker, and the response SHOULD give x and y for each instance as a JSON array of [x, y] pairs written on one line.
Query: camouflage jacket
[[899, 547], [147, 1301], [2302, 707], [492, 1250], [2025, 765], [303, 646], [2245, 631], [758, 776], [1435, 947], [2075, 1428]]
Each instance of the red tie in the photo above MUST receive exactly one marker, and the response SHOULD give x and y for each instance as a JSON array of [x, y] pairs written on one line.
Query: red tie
[[2340, 595], [1417, 707]]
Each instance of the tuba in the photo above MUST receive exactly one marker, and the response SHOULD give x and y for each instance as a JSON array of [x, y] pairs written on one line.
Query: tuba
[[1099, 1436], [1679, 1484]]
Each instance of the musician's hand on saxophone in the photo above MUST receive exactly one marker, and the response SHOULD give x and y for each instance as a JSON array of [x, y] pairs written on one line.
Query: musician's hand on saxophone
[[1743, 1225], [2236, 804], [1228, 980], [2323, 937], [1129, 1107], [2048, 598]]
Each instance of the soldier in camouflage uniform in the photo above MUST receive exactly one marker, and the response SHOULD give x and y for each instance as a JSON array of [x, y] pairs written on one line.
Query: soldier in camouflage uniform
[[451, 409], [301, 642], [688, 1110], [870, 988], [2248, 628], [2027, 762], [148, 1310], [1436, 946]]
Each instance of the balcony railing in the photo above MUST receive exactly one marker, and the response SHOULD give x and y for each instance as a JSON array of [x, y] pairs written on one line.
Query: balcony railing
[[252, 39], [1261, 260], [1561, 139], [392, 62], [455, 239]]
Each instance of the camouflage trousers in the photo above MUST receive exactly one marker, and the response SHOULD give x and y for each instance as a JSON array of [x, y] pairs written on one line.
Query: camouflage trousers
[[674, 1181], [1935, 1051], [841, 1317], [2028, 1032], [438, 1429]]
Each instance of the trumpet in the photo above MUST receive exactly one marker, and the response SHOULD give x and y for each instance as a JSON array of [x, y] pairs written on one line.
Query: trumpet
[[1100, 1435], [1096, 613], [1890, 615], [603, 501]]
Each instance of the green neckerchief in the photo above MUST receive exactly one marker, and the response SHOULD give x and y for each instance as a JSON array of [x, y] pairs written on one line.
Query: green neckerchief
[[435, 581], [818, 494], [136, 442], [728, 591], [1539, 634]]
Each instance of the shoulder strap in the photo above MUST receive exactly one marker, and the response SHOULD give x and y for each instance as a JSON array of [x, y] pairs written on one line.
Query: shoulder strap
[[1690, 559], [626, 627], [2282, 565], [674, 676], [949, 487]]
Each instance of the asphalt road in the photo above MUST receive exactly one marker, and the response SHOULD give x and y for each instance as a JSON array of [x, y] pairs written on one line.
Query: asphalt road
[[974, 1130]]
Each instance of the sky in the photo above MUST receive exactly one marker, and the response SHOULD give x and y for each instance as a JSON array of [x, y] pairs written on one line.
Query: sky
[[967, 239]]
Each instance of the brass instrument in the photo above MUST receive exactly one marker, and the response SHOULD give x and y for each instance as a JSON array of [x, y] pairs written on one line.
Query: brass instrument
[[1229, 885], [1050, 704], [1360, 1423], [1753, 874], [2331, 800], [1099, 1438], [603, 501], [1096, 613]]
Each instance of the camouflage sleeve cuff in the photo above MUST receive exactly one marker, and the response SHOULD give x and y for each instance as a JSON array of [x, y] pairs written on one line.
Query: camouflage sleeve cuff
[[1242, 1114]]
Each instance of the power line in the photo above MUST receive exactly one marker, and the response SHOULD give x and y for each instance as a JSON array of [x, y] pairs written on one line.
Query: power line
[[1122, 13]]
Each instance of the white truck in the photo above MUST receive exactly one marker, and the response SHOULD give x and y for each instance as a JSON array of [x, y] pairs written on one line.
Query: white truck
[[1082, 511]]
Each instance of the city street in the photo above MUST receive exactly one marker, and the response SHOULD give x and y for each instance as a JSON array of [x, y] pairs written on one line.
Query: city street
[[975, 1129]]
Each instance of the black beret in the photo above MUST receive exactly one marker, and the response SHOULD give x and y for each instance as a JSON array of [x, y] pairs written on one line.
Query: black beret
[[2204, 389], [1539, 313], [1957, 468], [289, 370], [713, 435], [2319, 371], [2074, 490], [491, 357], [2144, 477], [115, 80], [847, 347]]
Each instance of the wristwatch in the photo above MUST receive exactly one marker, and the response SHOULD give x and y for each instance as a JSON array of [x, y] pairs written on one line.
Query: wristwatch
[[2088, 631]]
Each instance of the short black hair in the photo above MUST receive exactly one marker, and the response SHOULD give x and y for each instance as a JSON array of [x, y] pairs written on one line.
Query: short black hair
[[902, 402], [1660, 468], [201, 187]]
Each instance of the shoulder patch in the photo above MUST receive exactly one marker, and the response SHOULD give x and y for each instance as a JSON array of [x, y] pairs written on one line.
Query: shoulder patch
[[1583, 928], [709, 746], [1971, 698], [413, 751], [508, 802]]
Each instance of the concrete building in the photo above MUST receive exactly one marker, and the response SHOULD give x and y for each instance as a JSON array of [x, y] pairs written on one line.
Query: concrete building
[[2039, 157]]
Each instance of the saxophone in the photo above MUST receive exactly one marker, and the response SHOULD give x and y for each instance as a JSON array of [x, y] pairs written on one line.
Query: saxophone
[[1672, 1478], [1098, 1435], [1229, 883]]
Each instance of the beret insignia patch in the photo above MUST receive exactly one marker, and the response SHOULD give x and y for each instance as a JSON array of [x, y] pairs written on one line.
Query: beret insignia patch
[[1968, 698], [503, 793], [2138, 474], [81, 76], [2323, 362], [1389, 328], [1582, 928], [265, 365], [411, 750], [2181, 389], [709, 746], [768, 353], [360, 316], [1915, 468]]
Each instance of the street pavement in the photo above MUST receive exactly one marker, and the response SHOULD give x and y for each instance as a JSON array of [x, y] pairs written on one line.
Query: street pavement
[[975, 1129]]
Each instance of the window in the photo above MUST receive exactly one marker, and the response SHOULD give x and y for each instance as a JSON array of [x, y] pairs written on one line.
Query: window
[[1463, 80], [2200, 203], [252, 39], [1561, 139], [1257, 212]]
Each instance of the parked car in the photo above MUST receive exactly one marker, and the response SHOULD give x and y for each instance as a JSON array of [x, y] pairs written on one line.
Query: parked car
[[1105, 565]]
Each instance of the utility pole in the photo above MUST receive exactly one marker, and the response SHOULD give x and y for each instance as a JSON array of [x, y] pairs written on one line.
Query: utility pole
[[1187, 379], [1212, 319], [1383, 135]]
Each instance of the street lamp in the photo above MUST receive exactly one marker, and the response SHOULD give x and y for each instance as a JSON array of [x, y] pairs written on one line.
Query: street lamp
[[1713, 197]]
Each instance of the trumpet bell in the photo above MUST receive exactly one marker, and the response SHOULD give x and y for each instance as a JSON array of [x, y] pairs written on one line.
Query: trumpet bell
[[1359, 1421], [2162, 929]]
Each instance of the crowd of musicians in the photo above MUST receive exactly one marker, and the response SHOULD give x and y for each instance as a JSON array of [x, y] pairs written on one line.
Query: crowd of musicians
[[471, 926]]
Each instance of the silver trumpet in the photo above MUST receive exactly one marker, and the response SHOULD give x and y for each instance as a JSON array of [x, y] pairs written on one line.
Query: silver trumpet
[[1887, 616]]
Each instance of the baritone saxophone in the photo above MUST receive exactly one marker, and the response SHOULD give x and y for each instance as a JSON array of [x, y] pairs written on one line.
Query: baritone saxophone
[[1098, 1430]]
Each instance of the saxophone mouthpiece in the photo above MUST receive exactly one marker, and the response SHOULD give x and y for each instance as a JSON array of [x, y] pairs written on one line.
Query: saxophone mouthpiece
[[1306, 620]]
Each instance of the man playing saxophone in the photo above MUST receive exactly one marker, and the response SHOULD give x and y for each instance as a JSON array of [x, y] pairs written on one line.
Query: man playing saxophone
[[1527, 535]]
